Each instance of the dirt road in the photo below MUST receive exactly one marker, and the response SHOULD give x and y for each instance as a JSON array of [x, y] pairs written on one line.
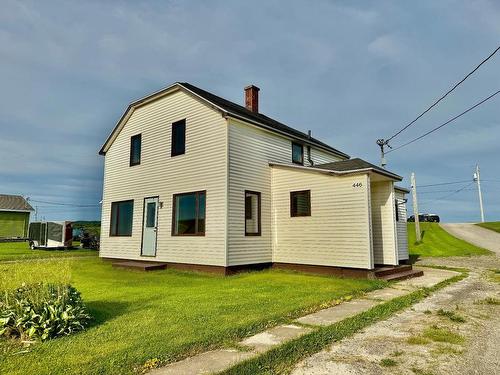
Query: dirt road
[[454, 331], [476, 235]]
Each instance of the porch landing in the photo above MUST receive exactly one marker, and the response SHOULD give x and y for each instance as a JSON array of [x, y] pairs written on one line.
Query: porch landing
[[394, 273], [140, 265]]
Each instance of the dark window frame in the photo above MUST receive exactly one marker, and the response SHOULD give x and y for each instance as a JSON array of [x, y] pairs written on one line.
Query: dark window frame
[[174, 209], [131, 160], [301, 162], [117, 221], [259, 210], [296, 214], [173, 151]]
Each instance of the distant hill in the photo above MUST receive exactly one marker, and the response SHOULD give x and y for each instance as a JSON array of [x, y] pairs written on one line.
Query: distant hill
[[92, 227]]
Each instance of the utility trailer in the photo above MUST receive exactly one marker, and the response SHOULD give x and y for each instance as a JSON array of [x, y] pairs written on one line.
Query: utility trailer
[[50, 235]]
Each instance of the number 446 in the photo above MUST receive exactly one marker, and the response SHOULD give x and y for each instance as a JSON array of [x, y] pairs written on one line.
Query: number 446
[[357, 184]]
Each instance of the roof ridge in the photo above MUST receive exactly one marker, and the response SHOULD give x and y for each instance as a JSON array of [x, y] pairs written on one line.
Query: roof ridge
[[258, 117]]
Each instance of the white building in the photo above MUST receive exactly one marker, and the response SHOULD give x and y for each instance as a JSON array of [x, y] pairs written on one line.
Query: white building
[[195, 181]]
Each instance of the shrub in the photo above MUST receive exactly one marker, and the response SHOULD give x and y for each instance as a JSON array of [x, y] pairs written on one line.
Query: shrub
[[42, 311]]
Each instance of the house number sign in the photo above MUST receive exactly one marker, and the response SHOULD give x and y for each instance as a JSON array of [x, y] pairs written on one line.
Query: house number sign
[[357, 184]]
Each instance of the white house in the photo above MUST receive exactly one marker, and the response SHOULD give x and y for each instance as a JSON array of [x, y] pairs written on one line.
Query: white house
[[192, 180]]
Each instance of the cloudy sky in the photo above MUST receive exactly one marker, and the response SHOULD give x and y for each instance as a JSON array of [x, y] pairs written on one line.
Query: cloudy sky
[[351, 72]]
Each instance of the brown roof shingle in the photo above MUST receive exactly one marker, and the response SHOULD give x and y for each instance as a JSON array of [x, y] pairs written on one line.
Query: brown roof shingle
[[14, 203], [355, 164]]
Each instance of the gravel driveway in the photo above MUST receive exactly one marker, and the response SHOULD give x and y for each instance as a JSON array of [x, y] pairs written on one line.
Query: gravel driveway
[[454, 331]]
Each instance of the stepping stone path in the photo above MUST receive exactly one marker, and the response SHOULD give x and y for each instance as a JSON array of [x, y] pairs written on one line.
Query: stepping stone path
[[219, 360]]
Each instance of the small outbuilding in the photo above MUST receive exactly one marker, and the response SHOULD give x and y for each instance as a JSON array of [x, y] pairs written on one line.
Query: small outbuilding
[[14, 216]]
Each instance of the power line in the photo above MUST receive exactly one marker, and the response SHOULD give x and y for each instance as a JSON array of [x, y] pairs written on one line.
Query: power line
[[444, 183], [437, 191], [445, 95], [455, 192], [64, 204], [445, 123]]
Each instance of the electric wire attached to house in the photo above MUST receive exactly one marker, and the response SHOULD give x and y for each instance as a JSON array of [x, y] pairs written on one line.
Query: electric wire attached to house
[[444, 96], [383, 143], [445, 123]]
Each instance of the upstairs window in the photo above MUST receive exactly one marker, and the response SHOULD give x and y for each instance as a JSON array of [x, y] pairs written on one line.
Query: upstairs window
[[189, 214], [300, 203], [297, 153], [121, 218], [252, 213], [135, 150], [178, 138]]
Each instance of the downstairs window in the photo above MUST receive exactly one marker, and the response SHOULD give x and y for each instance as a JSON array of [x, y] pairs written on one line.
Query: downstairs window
[[189, 214]]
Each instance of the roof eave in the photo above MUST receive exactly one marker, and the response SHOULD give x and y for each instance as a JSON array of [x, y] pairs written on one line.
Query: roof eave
[[340, 173], [13, 210], [148, 98], [133, 105], [400, 188], [387, 174]]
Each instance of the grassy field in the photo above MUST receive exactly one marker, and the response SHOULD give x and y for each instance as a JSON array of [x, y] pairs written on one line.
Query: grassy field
[[21, 251], [141, 316], [492, 225], [436, 242]]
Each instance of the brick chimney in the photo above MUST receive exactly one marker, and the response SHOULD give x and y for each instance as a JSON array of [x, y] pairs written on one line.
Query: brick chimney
[[252, 98]]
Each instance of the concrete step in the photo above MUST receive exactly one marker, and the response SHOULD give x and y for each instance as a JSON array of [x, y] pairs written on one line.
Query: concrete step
[[138, 265], [389, 270], [402, 275]]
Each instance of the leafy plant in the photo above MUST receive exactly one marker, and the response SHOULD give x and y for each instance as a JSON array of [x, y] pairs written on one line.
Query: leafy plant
[[388, 362], [438, 334], [453, 316], [42, 311]]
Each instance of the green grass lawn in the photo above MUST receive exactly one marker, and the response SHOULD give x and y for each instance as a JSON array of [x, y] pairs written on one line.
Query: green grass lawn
[[436, 242], [492, 225], [21, 251], [140, 316]]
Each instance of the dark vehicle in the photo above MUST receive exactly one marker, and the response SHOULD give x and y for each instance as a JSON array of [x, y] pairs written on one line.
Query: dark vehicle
[[430, 218], [433, 218]]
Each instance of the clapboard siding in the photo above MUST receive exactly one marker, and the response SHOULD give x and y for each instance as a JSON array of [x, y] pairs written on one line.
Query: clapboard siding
[[250, 151], [336, 233], [202, 167], [320, 157], [383, 228], [401, 227]]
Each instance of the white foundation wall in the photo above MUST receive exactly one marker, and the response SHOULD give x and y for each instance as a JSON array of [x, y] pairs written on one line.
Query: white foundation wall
[[250, 151], [202, 167], [338, 231], [401, 226], [383, 223]]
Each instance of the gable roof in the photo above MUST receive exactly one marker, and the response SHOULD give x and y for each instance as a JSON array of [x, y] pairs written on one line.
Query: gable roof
[[14, 203], [354, 165], [228, 108]]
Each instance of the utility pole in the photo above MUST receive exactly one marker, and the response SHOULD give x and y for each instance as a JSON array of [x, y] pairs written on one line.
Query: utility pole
[[415, 207], [477, 179], [382, 143], [36, 213]]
